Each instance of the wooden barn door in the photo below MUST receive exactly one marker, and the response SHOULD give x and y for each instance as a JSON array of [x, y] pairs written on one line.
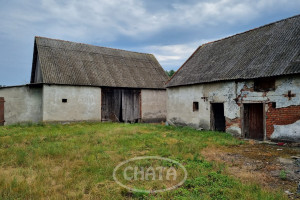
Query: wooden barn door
[[111, 105], [120, 105], [253, 121], [131, 105], [2, 111]]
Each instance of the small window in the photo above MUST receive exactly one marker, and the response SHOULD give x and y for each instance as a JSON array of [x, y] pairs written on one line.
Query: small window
[[264, 85], [64, 100], [273, 104], [195, 106]]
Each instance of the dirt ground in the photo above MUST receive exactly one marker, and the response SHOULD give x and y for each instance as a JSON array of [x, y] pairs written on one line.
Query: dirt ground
[[271, 165]]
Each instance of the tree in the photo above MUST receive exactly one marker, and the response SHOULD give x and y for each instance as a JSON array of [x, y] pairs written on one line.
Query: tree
[[170, 73]]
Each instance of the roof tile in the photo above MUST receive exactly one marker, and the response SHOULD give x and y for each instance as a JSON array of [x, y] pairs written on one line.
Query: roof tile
[[267, 51], [71, 63]]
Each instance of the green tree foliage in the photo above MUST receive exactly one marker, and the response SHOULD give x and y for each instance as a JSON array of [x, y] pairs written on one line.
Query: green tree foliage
[[170, 73]]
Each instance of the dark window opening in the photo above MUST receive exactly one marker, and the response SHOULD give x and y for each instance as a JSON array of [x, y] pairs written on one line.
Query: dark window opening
[[195, 106], [273, 104], [64, 100], [264, 85]]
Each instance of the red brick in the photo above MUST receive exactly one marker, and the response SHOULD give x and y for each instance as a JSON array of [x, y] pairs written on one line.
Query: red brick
[[281, 116]]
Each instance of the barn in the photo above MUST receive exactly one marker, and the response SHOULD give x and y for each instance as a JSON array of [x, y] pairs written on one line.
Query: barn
[[247, 84], [80, 82]]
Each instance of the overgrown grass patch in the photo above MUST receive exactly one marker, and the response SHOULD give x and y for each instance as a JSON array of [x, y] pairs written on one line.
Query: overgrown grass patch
[[76, 161]]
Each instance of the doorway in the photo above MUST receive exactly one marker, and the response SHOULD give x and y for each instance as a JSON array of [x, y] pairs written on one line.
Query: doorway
[[253, 121], [120, 105], [218, 118], [2, 111]]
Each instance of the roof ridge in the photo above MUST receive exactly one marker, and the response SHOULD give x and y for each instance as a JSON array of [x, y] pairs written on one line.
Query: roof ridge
[[110, 55], [259, 27], [90, 45]]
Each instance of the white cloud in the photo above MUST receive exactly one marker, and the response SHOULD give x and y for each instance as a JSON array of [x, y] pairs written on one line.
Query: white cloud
[[108, 19], [219, 12], [173, 56]]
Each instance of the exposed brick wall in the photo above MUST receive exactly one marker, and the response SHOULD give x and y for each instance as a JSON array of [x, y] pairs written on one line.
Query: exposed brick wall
[[281, 116], [231, 122]]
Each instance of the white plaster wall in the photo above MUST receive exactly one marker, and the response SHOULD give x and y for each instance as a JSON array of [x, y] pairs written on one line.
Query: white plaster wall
[[84, 103], [22, 104], [180, 103], [180, 106], [154, 105]]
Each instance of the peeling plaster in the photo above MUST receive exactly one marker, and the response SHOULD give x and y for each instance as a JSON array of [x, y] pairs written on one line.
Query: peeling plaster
[[289, 133], [231, 110], [283, 85], [282, 88]]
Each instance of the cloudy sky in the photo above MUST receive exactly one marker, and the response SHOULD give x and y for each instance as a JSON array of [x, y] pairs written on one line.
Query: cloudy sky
[[169, 29]]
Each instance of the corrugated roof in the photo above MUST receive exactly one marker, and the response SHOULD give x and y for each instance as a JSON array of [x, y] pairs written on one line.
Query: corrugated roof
[[70, 63], [267, 51]]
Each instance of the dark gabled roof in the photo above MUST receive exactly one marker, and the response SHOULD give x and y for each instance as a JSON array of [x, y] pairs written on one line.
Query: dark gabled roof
[[267, 51], [71, 63]]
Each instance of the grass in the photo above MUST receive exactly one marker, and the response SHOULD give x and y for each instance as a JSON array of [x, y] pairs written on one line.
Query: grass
[[76, 161], [283, 174]]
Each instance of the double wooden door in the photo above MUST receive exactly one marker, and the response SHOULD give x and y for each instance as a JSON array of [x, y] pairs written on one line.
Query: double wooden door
[[121, 105]]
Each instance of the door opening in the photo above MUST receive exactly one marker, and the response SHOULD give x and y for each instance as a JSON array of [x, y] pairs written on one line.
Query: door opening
[[218, 118], [2, 111], [253, 121]]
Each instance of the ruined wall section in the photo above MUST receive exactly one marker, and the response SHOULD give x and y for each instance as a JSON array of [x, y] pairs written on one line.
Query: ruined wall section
[[281, 116], [280, 96], [282, 104], [285, 98]]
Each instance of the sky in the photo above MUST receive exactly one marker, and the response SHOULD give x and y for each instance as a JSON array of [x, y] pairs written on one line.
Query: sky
[[170, 29]]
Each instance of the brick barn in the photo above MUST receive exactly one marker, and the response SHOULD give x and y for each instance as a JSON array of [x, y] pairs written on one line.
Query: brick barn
[[247, 84], [80, 82]]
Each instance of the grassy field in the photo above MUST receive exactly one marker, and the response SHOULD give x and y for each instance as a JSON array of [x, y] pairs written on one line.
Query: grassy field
[[76, 161]]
